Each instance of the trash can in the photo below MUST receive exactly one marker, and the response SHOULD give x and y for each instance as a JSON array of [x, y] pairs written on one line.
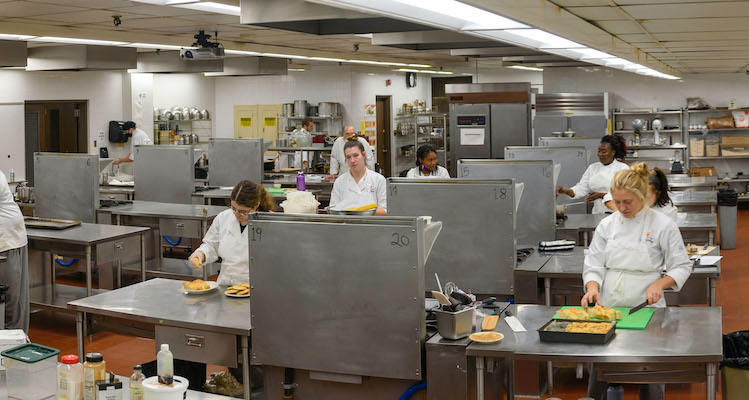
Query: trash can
[[735, 365], [728, 200]]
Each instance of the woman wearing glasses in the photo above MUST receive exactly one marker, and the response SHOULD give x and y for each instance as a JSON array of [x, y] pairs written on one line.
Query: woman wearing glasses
[[227, 236]]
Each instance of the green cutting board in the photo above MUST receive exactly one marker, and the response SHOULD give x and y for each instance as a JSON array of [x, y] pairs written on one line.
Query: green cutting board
[[638, 320], [275, 190]]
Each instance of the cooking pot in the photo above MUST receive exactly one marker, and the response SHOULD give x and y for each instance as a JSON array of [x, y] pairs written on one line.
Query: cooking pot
[[204, 114], [326, 109], [300, 108], [24, 193], [194, 138], [288, 109], [313, 111]]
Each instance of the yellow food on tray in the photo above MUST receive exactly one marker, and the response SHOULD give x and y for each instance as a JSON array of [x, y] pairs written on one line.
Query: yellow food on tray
[[239, 290], [573, 313], [604, 313], [588, 327], [197, 284], [364, 208]]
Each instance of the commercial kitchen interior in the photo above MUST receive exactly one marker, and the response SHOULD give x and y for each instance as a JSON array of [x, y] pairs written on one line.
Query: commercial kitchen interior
[[71, 67]]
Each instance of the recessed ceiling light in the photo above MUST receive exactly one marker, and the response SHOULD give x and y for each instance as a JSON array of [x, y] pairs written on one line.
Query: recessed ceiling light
[[7, 36], [475, 18], [296, 69], [210, 6], [523, 67]]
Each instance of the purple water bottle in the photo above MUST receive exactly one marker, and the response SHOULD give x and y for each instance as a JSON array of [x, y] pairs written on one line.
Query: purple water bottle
[[300, 183]]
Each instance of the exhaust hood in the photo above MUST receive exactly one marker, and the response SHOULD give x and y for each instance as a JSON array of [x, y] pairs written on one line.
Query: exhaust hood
[[81, 58], [252, 66], [12, 53], [171, 62]]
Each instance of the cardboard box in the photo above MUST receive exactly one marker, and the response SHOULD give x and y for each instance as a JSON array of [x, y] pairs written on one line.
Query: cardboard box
[[735, 140], [702, 171]]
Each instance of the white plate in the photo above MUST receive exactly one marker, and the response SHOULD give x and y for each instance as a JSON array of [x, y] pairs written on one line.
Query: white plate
[[240, 296], [213, 285], [486, 341]]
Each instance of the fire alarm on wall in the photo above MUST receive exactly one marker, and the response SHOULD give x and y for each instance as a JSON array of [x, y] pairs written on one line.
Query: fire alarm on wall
[[388, 82]]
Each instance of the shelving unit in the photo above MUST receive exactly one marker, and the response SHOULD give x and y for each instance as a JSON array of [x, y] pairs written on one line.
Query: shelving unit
[[413, 131], [201, 127], [328, 126], [654, 152]]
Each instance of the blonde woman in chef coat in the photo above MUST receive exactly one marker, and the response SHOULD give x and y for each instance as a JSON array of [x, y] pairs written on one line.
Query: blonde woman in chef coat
[[359, 186], [629, 250], [227, 236], [595, 182]]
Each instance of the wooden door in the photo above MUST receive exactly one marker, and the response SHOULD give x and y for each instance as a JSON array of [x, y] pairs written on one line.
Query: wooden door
[[245, 121], [384, 134]]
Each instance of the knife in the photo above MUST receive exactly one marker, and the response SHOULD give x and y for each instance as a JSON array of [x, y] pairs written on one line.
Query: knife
[[513, 322], [638, 308]]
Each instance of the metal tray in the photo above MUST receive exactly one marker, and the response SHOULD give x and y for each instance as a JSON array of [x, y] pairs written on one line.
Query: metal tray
[[49, 223], [546, 335]]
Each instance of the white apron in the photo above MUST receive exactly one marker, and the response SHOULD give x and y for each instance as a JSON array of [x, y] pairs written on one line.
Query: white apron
[[235, 264], [601, 183], [629, 272]]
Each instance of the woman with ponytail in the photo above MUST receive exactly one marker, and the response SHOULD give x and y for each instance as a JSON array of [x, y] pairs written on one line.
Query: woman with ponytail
[[338, 165], [635, 254]]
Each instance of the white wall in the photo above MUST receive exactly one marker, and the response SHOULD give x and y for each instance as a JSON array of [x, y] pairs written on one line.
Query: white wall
[[502, 75], [102, 89], [632, 90]]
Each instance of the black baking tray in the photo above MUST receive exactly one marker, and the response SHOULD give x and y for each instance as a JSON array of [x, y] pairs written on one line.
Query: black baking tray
[[570, 337]]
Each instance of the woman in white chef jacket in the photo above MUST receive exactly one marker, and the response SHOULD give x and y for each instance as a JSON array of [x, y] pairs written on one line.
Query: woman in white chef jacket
[[659, 198], [426, 165], [359, 186], [227, 236], [14, 272], [629, 252], [595, 182]]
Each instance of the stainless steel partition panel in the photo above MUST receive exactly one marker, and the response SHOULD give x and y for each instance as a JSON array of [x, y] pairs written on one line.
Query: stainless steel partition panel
[[590, 143], [165, 174], [339, 294], [234, 160], [66, 186], [510, 127], [476, 248], [536, 216], [573, 162]]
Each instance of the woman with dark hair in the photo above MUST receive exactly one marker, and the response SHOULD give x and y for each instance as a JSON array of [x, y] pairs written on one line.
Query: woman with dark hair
[[426, 164], [659, 199], [359, 187], [227, 236], [596, 181]]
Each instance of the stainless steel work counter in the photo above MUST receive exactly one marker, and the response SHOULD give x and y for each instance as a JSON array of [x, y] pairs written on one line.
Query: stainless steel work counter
[[79, 241], [174, 268], [678, 344], [116, 193], [568, 265], [165, 210], [695, 201], [163, 303], [585, 224]]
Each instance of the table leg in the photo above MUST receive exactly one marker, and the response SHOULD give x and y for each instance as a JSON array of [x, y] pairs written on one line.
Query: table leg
[[142, 257], [479, 378], [586, 238], [547, 291], [79, 334], [118, 219], [88, 271], [204, 228], [246, 367], [510, 368], [713, 291], [712, 379], [711, 237], [549, 377], [52, 265]]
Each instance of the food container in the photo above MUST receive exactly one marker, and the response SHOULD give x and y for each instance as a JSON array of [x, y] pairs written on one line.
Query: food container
[[287, 109], [455, 325], [300, 108], [712, 144], [31, 371], [153, 390], [696, 145], [554, 331]]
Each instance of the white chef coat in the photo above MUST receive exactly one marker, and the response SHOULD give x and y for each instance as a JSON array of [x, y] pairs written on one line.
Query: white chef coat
[[225, 239], [12, 228], [658, 233], [370, 189], [139, 139], [669, 210], [338, 165], [416, 172], [597, 178]]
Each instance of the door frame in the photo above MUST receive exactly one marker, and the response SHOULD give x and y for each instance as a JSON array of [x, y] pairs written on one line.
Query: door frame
[[384, 133]]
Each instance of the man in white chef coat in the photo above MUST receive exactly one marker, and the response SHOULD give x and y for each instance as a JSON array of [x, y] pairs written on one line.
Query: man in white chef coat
[[338, 165], [139, 138], [14, 271]]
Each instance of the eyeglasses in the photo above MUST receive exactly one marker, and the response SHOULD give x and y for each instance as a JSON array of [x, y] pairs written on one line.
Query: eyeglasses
[[242, 213]]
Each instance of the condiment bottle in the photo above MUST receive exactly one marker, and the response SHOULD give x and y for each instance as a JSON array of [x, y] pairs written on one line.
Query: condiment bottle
[[136, 383], [301, 184], [165, 365], [94, 369], [70, 378]]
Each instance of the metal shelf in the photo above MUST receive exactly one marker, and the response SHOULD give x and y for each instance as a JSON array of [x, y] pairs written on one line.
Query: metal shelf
[[652, 131], [300, 149], [716, 110], [647, 158], [313, 118], [733, 180], [159, 121], [720, 158], [719, 130], [436, 115], [664, 147], [649, 112]]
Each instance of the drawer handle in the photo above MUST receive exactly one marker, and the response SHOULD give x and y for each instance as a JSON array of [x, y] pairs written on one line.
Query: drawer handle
[[111, 196], [180, 225], [118, 246], [194, 340]]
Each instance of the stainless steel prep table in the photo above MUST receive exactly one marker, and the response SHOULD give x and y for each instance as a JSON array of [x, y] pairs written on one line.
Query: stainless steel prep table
[[182, 220], [204, 327], [691, 201], [694, 183], [174, 268], [113, 192], [207, 196], [527, 289], [567, 269], [680, 344], [688, 223], [79, 240]]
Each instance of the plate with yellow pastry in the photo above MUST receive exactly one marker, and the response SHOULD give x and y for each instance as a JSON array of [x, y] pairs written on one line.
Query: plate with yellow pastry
[[486, 337], [242, 290], [198, 286]]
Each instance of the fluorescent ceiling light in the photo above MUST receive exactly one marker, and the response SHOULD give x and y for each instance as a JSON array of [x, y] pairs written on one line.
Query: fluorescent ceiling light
[[591, 53], [276, 55], [157, 46], [210, 6], [297, 69], [421, 71], [523, 67], [7, 36], [22, 68], [54, 39], [545, 39], [242, 52], [327, 59], [364, 35], [420, 65], [476, 18], [177, 2]]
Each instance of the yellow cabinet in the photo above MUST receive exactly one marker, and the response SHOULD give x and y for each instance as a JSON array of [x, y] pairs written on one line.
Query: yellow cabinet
[[256, 121], [245, 122]]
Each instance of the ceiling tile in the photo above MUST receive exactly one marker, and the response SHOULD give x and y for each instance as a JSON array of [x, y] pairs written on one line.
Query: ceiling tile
[[598, 13], [581, 3], [689, 10], [158, 11], [35, 21], [89, 17], [95, 4], [695, 25], [687, 36], [619, 27], [29, 9]]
